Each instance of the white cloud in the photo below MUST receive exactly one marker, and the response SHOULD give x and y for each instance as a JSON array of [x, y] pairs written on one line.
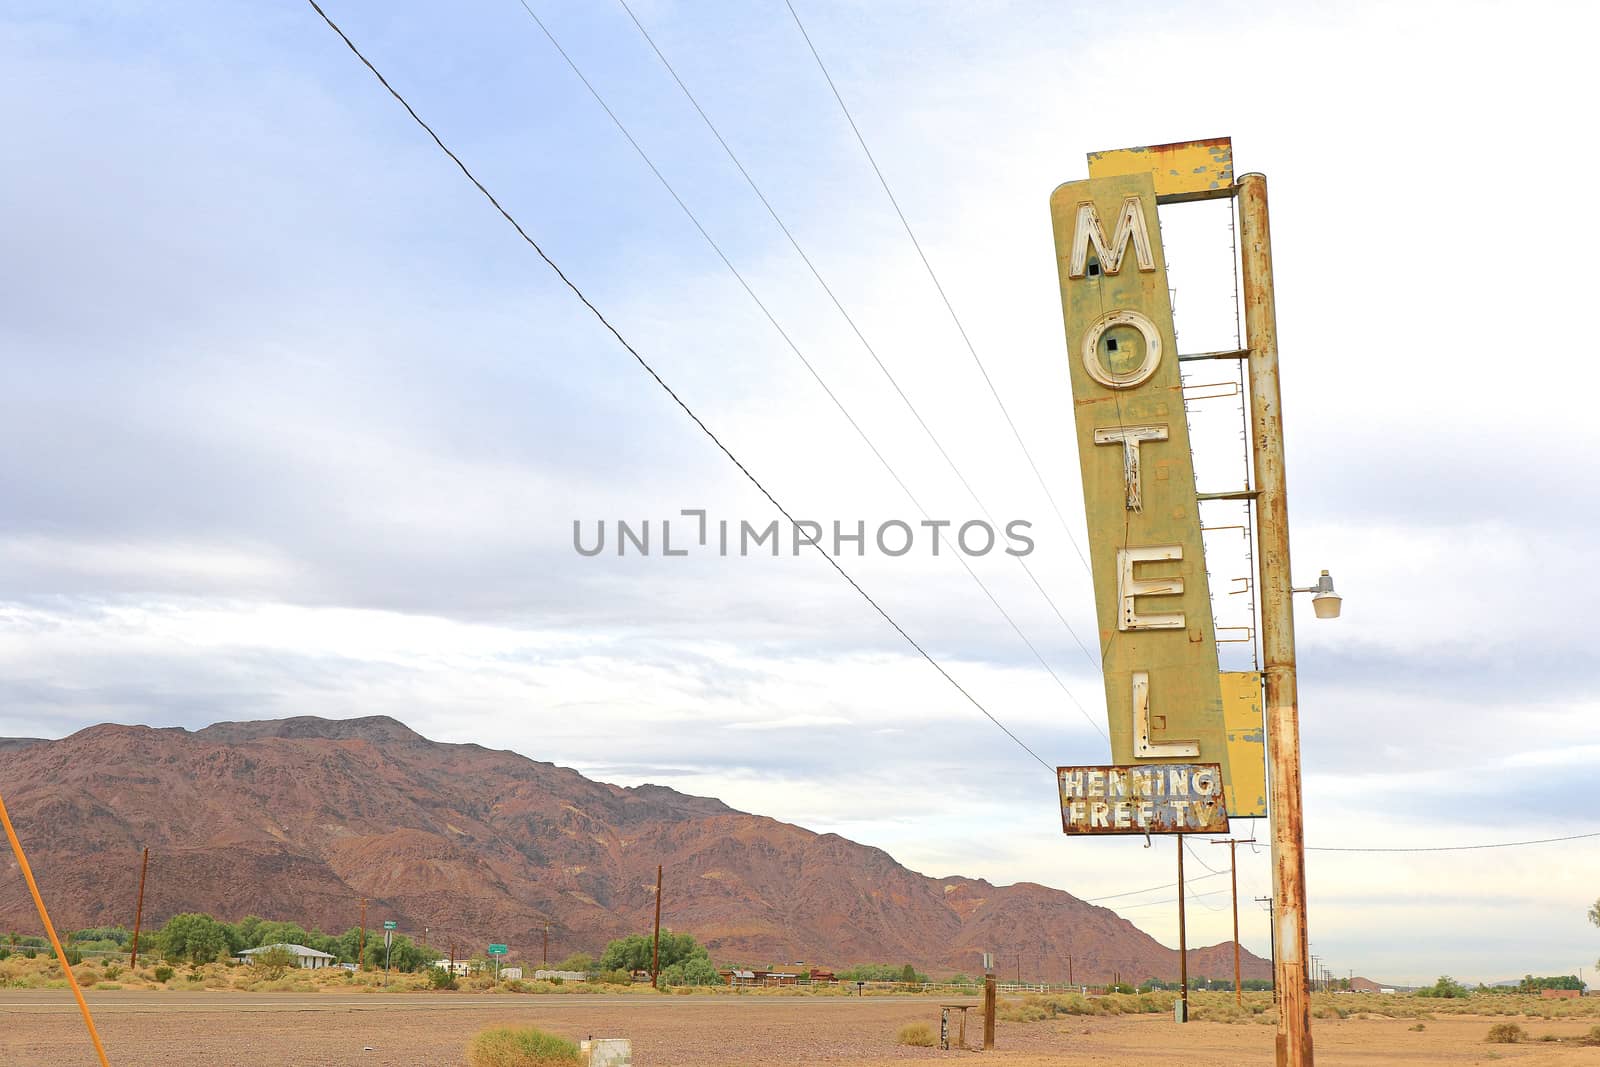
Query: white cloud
[[300, 429]]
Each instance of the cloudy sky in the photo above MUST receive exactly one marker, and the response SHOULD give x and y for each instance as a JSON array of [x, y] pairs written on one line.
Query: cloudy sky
[[294, 424]]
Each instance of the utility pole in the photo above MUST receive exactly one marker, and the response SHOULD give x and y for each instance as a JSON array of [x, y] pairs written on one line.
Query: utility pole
[[655, 961], [1233, 870], [1069, 969], [1183, 938], [547, 934], [361, 942], [1272, 931], [138, 911], [1277, 626], [988, 1001]]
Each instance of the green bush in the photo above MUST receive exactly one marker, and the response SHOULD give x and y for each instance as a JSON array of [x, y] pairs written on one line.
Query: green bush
[[616, 977], [1506, 1034], [439, 978], [917, 1034], [274, 962], [164, 973], [505, 1046]]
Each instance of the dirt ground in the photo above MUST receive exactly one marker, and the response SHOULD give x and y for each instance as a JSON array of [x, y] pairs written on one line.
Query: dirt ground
[[223, 1029]]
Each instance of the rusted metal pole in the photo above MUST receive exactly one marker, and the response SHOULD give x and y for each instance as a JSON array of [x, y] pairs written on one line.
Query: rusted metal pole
[[1277, 628], [1183, 938], [138, 912], [988, 1007], [655, 960]]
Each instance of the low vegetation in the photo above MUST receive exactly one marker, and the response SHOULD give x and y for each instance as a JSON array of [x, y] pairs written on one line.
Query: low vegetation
[[1506, 1034], [506, 1046], [918, 1034]]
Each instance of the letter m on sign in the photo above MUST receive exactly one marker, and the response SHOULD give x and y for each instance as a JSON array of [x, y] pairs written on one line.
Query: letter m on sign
[[1131, 226]]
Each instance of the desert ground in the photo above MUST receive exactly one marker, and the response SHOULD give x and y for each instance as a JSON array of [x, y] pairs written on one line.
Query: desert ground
[[223, 1029]]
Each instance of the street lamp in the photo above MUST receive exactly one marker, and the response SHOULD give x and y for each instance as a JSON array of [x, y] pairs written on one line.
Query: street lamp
[[1324, 601]]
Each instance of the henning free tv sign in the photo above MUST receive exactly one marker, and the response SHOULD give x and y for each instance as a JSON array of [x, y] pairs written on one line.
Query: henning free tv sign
[[1166, 798]]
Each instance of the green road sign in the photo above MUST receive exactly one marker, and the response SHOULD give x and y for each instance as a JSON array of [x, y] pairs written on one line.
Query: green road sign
[[390, 924], [497, 950]]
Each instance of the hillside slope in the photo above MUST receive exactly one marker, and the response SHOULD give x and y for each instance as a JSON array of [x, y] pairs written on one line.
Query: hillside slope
[[300, 818]]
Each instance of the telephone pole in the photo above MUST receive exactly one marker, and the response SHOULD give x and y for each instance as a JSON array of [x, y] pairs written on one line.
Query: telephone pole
[[1233, 871], [655, 959], [138, 911], [1272, 930], [1277, 626], [547, 934], [1183, 938], [361, 942]]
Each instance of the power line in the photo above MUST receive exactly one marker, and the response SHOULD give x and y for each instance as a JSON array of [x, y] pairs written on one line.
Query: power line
[[1174, 900], [643, 363], [1151, 889], [1462, 848], [826, 288], [962, 330], [795, 348]]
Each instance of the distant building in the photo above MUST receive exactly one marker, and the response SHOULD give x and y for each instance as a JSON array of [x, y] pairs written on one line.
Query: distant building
[[743, 979], [308, 958], [460, 968], [509, 973]]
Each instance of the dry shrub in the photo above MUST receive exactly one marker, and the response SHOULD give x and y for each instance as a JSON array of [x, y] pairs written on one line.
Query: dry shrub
[[1418, 1027], [918, 1034], [1506, 1034], [1030, 1011], [521, 1046]]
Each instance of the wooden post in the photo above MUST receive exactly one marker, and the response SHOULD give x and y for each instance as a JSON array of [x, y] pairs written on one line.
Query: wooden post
[[138, 912], [361, 942], [988, 1007], [655, 960]]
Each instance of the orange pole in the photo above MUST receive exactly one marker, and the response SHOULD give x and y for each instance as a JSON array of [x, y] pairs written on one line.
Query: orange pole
[[44, 917]]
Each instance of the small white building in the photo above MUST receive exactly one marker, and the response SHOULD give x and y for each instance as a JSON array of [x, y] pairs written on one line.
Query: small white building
[[509, 973], [308, 958], [461, 968], [565, 976]]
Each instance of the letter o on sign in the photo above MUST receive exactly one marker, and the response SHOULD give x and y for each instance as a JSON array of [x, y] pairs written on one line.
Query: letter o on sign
[[1152, 350]]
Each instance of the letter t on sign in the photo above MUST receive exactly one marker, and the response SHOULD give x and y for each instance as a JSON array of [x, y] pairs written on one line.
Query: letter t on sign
[[1130, 438]]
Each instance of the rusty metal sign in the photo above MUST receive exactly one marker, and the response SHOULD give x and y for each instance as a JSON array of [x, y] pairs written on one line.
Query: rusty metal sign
[[1157, 635], [1186, 170], [1165, 798]]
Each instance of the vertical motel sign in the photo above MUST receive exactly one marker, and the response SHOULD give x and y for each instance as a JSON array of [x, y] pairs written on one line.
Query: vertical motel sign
[[1170, 737]]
